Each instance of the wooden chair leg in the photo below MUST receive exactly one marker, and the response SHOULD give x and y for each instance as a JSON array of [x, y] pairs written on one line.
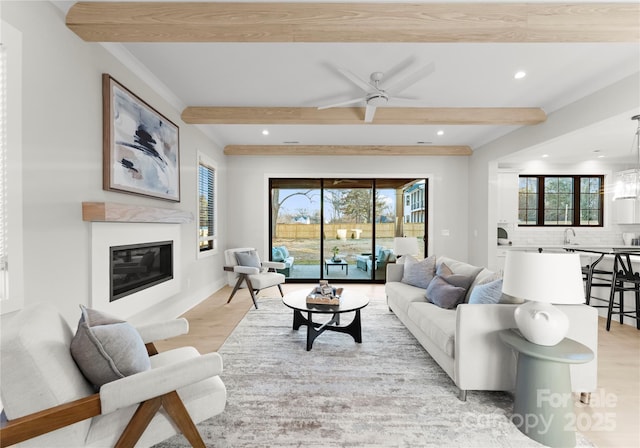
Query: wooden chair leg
[[241, 278], [144, 414], [252, 292], [138, 423], [180, 416]]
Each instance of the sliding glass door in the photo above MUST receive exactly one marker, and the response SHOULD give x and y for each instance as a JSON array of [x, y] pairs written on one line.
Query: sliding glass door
[[344, 229]]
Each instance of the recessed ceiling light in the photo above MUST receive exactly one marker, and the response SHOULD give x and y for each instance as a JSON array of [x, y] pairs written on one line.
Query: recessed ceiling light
[[600, 157], [440, 132], [265, 132], [544, 156], [520, 74]]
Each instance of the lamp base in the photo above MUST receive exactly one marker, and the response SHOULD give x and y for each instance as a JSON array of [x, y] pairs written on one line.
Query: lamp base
[[541, 323]]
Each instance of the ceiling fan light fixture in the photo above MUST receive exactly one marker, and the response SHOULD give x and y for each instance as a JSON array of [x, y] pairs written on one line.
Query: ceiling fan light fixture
[[377, 99]]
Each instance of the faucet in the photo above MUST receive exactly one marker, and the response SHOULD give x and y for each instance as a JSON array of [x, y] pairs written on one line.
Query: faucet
[[566, 235]]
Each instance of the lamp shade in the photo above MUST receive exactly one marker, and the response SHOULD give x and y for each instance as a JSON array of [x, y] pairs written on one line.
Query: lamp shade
[[543, 277], [405, 246]]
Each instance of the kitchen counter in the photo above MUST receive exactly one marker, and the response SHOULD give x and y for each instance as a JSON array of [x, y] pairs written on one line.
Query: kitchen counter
[[577, 247]]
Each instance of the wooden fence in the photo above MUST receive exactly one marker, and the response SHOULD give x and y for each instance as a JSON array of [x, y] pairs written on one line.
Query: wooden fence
[[353, 231]]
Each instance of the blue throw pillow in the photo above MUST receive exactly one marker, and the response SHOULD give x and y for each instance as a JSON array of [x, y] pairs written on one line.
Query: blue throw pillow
[[488, 293], [276, 254]]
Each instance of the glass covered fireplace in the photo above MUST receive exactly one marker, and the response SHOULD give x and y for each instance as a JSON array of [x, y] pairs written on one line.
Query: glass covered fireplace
[[135, 267]]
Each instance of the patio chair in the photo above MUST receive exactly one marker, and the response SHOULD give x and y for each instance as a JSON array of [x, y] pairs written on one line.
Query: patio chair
[[49, 394], [245, 270]]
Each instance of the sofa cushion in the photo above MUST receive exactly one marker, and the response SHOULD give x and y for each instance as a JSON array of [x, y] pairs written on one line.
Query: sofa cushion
[[403, 295], [487, 292], [419, 273], [444, 294], [106, 349], [439, 324]]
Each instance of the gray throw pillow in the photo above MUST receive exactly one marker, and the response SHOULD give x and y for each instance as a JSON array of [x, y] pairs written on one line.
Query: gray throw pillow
[[444, 294], [419, 273], [106, 348], [462, 281], [249, 258], [487, 293]]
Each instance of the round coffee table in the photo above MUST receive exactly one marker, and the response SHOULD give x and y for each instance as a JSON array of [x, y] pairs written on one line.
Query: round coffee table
[[348, 303]]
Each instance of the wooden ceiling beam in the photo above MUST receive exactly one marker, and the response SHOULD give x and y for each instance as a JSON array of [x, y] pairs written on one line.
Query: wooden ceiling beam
[[345, 150], [354, 22], [355, 115]]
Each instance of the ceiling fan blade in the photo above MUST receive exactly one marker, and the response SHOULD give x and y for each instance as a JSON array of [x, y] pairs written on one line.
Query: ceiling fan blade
[[402, 83], [342, 103], [369, 113], [364, 85], [399, 68]]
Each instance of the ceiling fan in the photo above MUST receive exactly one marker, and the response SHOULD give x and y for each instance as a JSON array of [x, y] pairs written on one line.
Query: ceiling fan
[[379, 91]]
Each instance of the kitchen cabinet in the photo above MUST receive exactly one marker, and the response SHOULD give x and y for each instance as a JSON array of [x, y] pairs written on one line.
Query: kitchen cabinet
[[507, 197], [626, 211]]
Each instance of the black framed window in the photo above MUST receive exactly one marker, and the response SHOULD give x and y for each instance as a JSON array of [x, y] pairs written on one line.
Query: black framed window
[[561, 200]]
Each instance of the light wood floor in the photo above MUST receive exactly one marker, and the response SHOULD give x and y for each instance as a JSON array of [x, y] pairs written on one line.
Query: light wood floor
[[612, 419]]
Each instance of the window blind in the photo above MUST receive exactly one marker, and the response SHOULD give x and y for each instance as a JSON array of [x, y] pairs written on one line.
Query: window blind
[[206, 206]]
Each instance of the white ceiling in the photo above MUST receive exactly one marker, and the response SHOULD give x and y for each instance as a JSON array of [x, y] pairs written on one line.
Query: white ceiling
[[466, 75]]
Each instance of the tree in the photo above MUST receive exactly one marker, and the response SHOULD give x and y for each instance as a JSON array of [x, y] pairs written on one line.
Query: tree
[[356, 205], [335, 199], [276, 203]]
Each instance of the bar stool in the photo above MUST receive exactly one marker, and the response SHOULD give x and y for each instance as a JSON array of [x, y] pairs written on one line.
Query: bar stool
[[623, 279], [598, 278]]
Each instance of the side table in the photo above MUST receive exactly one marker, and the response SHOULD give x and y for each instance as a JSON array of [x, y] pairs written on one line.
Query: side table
[[543, 406]]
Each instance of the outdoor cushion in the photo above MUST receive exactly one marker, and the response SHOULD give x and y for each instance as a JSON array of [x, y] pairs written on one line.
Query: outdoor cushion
[[277, 255]]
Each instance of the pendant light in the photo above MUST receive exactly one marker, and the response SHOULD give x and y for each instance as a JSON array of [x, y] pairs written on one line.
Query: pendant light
[[627, 184]]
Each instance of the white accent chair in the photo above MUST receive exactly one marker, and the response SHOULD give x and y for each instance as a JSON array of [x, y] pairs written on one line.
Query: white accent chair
[[49, 403], [252, 278]]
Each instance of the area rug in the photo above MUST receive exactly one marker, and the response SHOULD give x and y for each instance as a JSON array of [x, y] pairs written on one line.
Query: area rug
[[385, 392]]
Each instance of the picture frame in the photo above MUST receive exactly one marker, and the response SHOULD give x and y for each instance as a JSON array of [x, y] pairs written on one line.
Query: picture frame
[[141, 147]]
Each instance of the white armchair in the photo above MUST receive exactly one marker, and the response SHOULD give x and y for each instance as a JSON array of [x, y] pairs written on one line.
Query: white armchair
[[48, 402], [254, 274]]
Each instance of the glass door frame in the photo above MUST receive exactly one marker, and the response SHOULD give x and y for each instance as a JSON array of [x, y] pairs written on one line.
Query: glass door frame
[[323, 225]]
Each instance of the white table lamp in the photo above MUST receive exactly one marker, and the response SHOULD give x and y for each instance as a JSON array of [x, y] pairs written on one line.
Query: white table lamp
[[542, 279], [405, 246]]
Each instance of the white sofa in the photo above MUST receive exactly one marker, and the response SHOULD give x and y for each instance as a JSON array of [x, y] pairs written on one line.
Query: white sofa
[[464, 341]]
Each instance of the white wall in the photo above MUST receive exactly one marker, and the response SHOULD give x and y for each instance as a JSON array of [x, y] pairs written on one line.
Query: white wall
[[247, 190], [62, 164], [620, 97]]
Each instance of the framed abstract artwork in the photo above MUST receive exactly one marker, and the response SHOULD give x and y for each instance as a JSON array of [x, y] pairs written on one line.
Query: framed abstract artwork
[[141, 147]]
